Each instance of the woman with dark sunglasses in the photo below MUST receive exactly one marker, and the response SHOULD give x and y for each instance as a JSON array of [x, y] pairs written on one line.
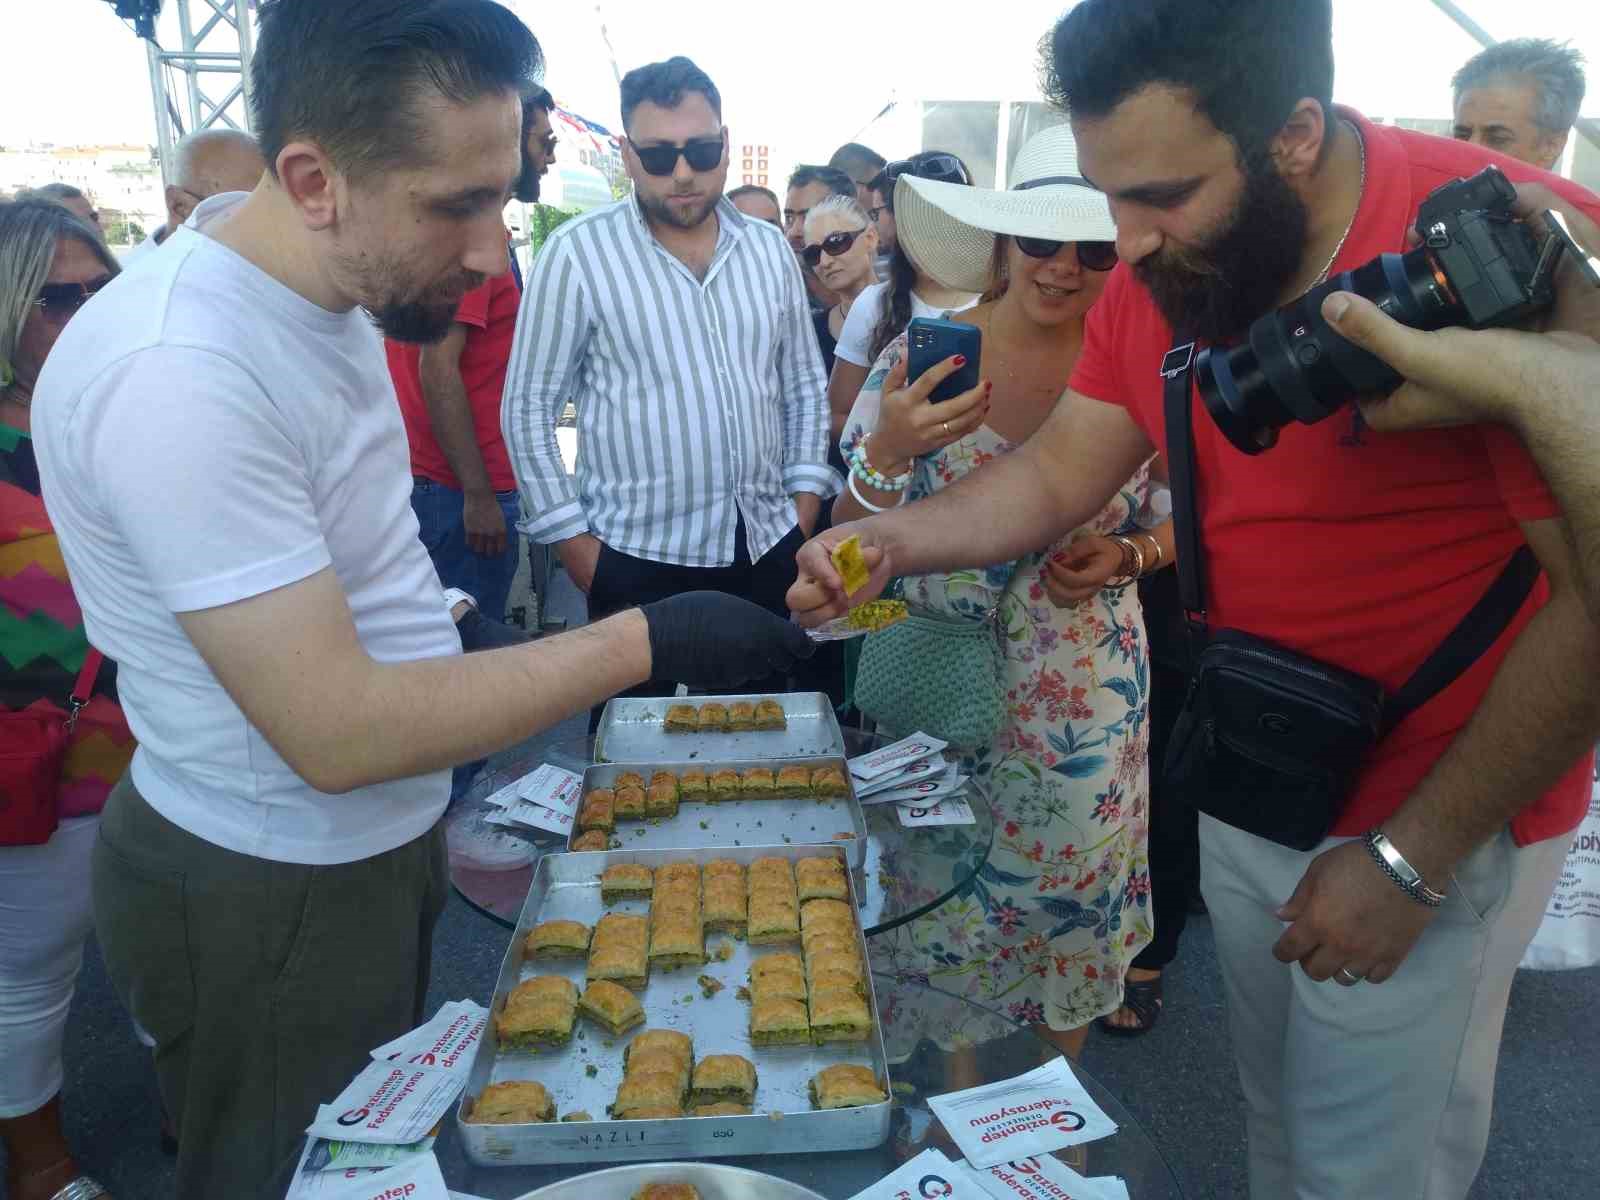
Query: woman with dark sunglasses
[[51, 263], [883, 311], [1067, 770], [841, 247]]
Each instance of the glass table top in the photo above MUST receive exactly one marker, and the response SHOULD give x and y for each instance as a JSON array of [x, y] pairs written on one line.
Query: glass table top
[[906, 871], [986, 1047]]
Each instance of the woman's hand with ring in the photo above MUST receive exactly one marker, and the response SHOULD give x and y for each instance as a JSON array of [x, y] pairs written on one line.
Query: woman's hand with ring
[[909, 426], [1081, 570]]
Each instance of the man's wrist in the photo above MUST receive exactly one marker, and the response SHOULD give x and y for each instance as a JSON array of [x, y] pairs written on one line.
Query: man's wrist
[[1405, 876]]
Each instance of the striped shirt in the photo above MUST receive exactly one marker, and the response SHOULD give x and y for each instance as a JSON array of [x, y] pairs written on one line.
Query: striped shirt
[[698, 401]]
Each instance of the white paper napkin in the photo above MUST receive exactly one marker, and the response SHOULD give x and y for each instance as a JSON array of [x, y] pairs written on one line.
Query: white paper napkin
[[1045, 1109]]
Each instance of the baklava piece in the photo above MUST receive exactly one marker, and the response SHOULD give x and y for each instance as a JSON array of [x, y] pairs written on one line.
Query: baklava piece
[[558, 939], [845, 1086], [625, 881], [611, 1006], [828, 783], [741, 717], [681, 718], [821, 879], [713, 718], [770, 716], [719, 1077], [598, 811], [513, 1102], [779, 1023]]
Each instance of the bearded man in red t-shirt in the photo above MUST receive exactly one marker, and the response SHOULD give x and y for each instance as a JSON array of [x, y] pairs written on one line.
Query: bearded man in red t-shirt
[[1237, 186]]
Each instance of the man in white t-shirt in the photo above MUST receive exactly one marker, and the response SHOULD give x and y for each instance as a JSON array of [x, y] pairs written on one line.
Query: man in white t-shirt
[[227, 469]]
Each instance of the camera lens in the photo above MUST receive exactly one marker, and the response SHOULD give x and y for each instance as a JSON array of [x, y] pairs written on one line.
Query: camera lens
[[1294, 367]]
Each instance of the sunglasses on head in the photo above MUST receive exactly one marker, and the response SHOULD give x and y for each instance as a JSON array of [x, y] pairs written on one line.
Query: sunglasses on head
[[834, 245], [703, 154], [1092, 256], [61, 300], [941, 168]]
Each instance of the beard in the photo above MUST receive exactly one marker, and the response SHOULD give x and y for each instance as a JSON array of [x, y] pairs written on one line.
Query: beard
[[1217, 289], [427, 318], [658, 208], [527, 189]]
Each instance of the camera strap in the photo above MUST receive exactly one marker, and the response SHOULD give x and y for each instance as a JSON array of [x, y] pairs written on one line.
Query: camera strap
[[1469, 641]]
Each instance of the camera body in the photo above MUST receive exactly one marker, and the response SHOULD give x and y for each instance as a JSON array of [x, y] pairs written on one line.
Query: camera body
[[1478, 266]]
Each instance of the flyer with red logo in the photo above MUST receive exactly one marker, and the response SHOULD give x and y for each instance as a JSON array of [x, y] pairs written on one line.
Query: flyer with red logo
[[928, 1176], [1043, 1177], [1046, 1109], [447, 1041], [895, 757], [951, 811], [389, 1102], [419, 1179]]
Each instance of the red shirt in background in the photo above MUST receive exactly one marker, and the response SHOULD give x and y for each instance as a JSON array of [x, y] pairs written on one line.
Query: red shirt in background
[[1359, 549], [490, 313]]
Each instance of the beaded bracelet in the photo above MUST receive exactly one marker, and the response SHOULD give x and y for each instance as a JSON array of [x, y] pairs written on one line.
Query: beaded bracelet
[[872, 477]]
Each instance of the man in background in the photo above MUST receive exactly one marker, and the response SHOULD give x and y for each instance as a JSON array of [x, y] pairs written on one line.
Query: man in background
[[862, 164], [677, 328], [1521, 98], [69, 198], [753, 200], [205, 164], [808, 187], [538, 152]]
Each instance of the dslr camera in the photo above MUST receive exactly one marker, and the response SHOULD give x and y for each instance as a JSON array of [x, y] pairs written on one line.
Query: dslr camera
[[1478, 266]]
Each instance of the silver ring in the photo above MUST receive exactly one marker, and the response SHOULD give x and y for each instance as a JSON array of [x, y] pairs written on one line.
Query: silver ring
[[946, 428], [1347, 977]]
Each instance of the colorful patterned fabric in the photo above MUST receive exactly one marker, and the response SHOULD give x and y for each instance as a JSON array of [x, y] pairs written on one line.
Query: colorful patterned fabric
[[42, 642], [1048, 928]]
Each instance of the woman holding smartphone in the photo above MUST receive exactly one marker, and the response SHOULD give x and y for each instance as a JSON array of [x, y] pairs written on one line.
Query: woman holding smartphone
[[1049, 927]]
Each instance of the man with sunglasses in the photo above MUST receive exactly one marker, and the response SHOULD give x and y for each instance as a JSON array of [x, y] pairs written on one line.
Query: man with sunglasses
[[678, 329], [204, 164]]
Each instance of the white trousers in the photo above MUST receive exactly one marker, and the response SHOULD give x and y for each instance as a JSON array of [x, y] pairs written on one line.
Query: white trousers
[[44, 921], [1372, 1092]]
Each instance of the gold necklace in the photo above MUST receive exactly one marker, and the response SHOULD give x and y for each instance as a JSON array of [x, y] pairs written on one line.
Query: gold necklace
[[1334, 257]]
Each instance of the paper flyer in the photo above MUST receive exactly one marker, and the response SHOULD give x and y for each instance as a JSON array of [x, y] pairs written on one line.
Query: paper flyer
[[895, 756], [553, 788], [933, 766], [505, 797], [358, 1156], [928, 1176], [419, 1179], [447, 1041], [311, 1184], [1113, 1187], [953, 811], [389, 1103], [525, 812], [923, 791], [1043, 1110], [1041, 1177]]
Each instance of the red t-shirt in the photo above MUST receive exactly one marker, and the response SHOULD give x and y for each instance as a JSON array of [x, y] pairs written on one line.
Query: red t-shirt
[[490, 314], [1358, 549]]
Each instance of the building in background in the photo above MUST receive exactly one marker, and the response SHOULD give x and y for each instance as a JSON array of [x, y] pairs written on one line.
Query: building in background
[[124, 180]]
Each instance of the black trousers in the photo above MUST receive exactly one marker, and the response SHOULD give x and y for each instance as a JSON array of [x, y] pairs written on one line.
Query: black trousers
[[1174, 822], [623, 581]]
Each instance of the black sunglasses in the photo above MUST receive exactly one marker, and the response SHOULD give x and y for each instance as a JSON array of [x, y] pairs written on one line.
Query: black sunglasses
[[833, 245], [703, 154], [941, 168], [62, 300], [1092, 256]]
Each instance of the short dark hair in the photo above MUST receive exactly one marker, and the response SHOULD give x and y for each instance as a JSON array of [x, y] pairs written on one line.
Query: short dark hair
[[1554, 68], [755, 189], [535, 99], [347, 75], [1246, 62], [853, 158], [836, 180], [666, 84]]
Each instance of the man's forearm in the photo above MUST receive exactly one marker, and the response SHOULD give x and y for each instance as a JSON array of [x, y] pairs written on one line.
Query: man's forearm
[[450, 414], [409, 717], [1539, 716]]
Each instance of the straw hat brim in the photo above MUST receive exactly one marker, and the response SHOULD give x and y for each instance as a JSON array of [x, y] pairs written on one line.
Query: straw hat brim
[[949, 229]]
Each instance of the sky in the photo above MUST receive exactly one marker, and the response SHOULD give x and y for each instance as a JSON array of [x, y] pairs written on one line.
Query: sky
[[804, 82]]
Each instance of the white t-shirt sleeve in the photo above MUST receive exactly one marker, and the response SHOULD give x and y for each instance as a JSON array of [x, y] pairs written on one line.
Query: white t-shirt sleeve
[[201, 475], [855, 338]]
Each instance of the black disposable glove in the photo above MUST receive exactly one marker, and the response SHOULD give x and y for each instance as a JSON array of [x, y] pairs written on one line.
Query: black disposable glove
[[713, 640]]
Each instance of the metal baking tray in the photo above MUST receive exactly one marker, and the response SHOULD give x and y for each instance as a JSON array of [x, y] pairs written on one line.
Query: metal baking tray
[[631, 730], [714, 1181], [726, 823], [568, 886]]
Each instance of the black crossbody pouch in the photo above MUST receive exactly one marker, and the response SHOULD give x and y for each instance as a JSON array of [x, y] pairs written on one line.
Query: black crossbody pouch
[[1270, 741]]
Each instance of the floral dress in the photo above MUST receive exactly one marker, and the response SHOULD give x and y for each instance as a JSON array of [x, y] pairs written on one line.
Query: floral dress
[[1050, 923]]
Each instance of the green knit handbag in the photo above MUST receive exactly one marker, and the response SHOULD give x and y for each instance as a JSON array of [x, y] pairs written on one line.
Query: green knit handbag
[[935, 674]]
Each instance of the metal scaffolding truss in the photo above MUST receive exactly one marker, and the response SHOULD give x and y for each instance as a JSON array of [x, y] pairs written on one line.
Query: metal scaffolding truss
[[205, 82]]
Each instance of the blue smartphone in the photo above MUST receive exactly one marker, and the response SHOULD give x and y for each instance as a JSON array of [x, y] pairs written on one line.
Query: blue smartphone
[[932, 340]]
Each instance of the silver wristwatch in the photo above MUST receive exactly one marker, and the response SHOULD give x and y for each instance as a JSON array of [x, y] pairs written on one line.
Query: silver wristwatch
[[1396, 867]]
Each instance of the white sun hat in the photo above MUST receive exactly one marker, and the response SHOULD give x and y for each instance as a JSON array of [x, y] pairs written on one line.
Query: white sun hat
[[949, 229]]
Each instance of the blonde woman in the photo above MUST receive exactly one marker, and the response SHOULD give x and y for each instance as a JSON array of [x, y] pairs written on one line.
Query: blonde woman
[[841, 247], [51, 264]]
